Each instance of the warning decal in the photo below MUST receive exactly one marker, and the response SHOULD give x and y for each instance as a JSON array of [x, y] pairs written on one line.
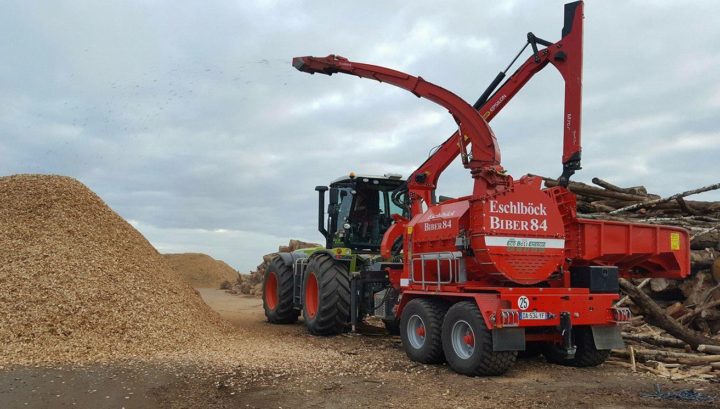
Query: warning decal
[[674, 241]]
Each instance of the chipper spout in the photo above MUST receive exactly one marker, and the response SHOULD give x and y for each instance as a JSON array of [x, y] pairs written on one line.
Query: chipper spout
[[323, 65]]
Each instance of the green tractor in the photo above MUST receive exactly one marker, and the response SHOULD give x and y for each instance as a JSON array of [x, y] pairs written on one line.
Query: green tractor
[[336, 286]]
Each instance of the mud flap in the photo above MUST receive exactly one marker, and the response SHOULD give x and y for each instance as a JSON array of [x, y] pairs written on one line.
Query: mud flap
[[508, 339], [607, 337]]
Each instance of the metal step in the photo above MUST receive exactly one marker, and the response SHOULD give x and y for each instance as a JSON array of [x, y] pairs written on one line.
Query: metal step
[[298, 275]]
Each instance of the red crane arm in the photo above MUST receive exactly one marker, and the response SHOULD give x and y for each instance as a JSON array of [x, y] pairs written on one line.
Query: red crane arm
[[425, 178], [485, 151], [566, 56]]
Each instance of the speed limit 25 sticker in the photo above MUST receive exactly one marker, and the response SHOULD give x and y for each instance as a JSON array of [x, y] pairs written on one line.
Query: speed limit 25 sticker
[[523, 302]]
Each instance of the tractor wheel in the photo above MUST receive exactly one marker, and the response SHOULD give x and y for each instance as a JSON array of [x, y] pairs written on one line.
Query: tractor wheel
[[278, 293], [586, 354], [326, 306], [468, 343], [420, 329]]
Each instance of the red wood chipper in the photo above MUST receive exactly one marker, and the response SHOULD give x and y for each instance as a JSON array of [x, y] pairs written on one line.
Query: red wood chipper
[[473, 280]]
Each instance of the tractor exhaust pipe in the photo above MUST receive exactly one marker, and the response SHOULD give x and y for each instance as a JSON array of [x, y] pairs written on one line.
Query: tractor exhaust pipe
[[321, 211]]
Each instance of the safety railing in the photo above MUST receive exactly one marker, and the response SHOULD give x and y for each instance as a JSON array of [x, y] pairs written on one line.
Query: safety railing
[[455, 268]]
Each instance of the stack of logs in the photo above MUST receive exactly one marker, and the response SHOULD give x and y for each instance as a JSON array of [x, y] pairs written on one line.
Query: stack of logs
[[676, 325], [610, 202], [251, 284]]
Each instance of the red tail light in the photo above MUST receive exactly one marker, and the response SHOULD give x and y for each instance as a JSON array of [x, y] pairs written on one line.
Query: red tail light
[[621, 315], [507, 318]]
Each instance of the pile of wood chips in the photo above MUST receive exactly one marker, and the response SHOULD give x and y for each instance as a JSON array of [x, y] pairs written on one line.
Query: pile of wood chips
[[79, 284], [676, 325], [201, 270]]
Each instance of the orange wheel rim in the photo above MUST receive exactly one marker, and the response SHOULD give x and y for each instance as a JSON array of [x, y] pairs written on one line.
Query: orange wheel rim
[[311, 295], [271, 296]]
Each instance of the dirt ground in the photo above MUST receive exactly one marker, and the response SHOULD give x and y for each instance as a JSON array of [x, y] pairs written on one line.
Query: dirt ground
[[532, 382]]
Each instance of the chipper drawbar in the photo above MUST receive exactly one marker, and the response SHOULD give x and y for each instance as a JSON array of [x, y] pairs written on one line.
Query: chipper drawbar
[[476, 279]]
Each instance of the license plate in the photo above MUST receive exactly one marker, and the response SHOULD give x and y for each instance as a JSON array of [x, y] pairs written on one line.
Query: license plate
[[533, 315]]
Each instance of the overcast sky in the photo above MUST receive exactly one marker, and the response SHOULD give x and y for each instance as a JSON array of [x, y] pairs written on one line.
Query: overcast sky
[[189, 121]]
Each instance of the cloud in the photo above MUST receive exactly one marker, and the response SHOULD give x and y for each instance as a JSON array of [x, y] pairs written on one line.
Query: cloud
[[189, 119]]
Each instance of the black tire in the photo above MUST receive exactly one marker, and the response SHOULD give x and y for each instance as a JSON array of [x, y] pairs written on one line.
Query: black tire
[[279, 309], [392, 326], [586, 354], [428, 313], [467, 343], [331, 314]]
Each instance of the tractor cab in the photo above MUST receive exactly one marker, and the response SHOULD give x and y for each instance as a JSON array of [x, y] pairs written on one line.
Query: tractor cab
[[360, 210]]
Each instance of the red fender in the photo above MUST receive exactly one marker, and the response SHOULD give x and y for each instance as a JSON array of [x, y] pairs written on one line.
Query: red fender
[[392, 234]]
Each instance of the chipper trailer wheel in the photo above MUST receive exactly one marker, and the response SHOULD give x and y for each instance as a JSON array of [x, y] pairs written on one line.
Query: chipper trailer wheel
[[586, 355], [326, 306], [278, 293], [468, 343], [420, 329]]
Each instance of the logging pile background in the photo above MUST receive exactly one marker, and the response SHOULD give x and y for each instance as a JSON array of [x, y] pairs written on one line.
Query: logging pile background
[[676, 324], [252, 283], [635, 204]]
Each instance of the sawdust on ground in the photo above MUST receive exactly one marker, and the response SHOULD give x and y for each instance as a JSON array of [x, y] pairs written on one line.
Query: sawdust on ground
[[201, 270], [398, 382]]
